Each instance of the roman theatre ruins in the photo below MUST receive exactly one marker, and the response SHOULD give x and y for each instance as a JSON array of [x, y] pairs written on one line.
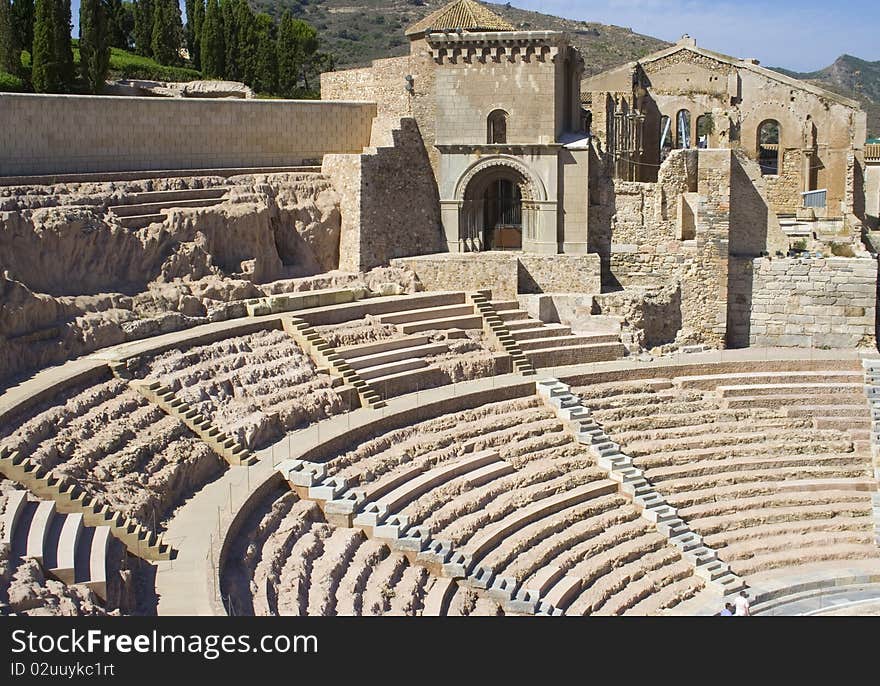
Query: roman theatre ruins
[[472, 335]]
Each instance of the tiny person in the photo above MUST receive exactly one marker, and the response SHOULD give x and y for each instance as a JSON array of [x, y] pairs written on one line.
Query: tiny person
[[742, 605], [727, 611]]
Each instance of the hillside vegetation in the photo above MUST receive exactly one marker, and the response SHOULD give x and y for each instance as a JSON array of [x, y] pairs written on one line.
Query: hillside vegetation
[[358, 31]]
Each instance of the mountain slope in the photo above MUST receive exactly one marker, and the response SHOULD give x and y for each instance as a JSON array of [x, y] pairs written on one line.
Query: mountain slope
[[853, 77], [358, 31]]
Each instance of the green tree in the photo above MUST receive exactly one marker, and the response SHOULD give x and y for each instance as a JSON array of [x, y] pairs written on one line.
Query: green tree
[[63, 46], [297, 48], [246, 35], [230, 40], [94, 43], [265, 68], [116, 33], [52, 55], [198, 19], [23, 22], [143, 27], [167, 32], [212, 48], [10, 49]]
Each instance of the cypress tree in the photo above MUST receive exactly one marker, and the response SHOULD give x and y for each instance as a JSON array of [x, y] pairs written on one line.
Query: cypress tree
[[213, 51], [167, 32], [287, 56], [45, 74], [230, 40], [246, 35], [10, 50], [116, 24], [94, 45], [23, 23], [143, 27], [198, 18], [265, 69], [63, 48]]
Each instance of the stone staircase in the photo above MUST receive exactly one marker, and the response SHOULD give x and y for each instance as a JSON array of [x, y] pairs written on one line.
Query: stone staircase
[[497, 331], [219, 441], [70, 498], [142, 209], [67, 550], [645, 497], [872, 391], [325, 357], [552, 345]]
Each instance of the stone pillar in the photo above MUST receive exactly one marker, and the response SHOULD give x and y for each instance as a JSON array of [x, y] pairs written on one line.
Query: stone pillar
[[450, 212], [573, 219], [544, 217]]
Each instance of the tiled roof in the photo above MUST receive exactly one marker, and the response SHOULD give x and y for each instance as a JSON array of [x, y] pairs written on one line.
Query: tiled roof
[[467, 15]]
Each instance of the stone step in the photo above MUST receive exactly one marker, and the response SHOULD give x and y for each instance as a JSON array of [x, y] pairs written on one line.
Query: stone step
[[172, 196], [384, 358], [141, 221], [804, 389], [355, 351], [710, 381], [460, 322], [565, 341], [520, 324], [427, 314], [145, 208], [546, 331], [577, 354]]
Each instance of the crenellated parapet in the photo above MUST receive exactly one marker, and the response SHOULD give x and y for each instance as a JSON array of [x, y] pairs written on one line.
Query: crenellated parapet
[[496, 46]]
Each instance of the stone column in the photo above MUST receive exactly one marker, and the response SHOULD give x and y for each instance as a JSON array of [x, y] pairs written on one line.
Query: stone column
[[545, 226], [450, 212]]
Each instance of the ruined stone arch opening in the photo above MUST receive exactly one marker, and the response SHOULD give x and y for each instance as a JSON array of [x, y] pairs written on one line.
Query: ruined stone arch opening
[[769, 135], [497, 209], [683, 129], [704, 130], [496, 127]]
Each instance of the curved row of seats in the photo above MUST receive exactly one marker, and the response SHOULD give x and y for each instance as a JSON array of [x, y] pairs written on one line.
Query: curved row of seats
[[64, 547], [117, 448], [772, 468], [301, 565], [509, 488], [254, 387]]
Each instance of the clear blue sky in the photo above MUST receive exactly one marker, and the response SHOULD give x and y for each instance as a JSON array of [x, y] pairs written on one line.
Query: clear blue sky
[[803, 35]]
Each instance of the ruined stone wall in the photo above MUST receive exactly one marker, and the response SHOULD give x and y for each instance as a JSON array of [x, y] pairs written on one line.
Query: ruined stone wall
[[57, 134], [388, 201], [465, 272], [802, 302], [699, 266], [507, 274], [383, 82], [784, 189]]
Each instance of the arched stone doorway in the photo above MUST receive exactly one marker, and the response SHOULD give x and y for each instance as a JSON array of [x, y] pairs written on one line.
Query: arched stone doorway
[[497, 208]]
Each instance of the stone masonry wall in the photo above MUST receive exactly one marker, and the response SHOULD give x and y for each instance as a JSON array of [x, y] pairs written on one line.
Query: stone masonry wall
[[507, 274], [803, 302], [57, 134], [388, 201]]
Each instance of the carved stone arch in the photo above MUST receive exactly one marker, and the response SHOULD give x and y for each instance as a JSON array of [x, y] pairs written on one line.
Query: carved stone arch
[[531, 186]]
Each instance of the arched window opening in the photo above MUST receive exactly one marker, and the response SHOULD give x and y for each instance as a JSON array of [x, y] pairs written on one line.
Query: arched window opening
[[665, 136], [683, 124], [497, 127], [768, 147], [704, 130]]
